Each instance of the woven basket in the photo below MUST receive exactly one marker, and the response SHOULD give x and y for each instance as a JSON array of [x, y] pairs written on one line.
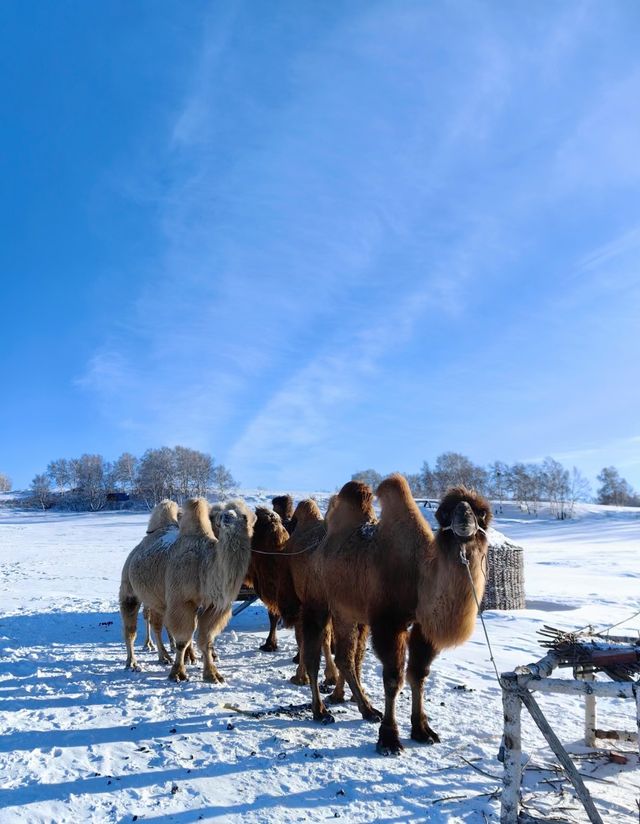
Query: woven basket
[[504, 588]]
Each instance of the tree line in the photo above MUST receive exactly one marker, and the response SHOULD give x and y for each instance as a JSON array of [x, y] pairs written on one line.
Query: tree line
[[527, 483], [90, 482]]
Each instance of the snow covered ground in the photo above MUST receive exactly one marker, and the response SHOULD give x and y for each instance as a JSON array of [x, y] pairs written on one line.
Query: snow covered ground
[[83, 740]]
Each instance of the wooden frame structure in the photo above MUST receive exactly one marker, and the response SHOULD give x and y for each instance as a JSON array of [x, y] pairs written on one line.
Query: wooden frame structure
[[518, 688]]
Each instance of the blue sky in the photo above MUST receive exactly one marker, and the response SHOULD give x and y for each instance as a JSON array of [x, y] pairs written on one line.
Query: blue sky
[[312, 238]]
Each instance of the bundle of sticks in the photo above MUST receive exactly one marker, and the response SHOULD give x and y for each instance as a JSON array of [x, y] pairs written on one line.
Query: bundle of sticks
[[617, 657]]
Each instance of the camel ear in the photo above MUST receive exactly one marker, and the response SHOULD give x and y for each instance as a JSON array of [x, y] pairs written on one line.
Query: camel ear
[[443, 516]]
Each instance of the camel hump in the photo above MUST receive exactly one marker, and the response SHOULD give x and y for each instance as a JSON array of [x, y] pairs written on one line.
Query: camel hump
[[164, 514], [307, 513], [350, 508], [195, 519], [455, 495], [395, 497]]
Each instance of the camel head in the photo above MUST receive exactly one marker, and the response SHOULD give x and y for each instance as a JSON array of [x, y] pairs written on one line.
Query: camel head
[[269, 534], [464, 513], [235, 521], [283, 505]]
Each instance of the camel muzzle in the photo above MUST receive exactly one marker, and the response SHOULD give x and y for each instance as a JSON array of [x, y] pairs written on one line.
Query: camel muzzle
[[464, 523]]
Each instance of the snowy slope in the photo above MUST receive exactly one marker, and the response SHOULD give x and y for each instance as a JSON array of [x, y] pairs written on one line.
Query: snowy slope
[[83, 740]]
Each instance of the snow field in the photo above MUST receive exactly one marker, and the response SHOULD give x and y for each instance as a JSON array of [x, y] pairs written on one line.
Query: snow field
[[83, 740]]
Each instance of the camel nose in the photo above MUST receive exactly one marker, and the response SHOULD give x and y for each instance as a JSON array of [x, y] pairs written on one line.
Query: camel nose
[[464, 522]]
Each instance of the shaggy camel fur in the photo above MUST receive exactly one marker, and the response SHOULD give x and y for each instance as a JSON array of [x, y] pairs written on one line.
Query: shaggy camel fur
[[309, 533], [269, 536], [394, 575], [350, 511], [143, 571], [204, 575]]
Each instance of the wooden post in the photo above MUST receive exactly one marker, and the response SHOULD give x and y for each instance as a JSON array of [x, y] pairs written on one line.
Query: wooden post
[[561, 754], [512, 754], [636, 689], [590, 712]]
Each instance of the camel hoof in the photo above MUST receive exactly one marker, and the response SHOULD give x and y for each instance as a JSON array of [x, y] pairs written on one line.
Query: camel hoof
[[149, 646], [424, 734], [299, 680], [178, 675], [165, 659], [134, 666], [388, 741], [324, 717], [268, 646], [337, 698], [371, 714], [212, 676]]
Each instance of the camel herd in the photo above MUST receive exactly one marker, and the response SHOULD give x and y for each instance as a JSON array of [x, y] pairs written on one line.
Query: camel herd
[[335, 579]]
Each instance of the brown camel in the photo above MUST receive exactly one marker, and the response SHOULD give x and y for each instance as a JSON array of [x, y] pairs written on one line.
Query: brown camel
[[389, 577], [349, 513], [309, 533], [267, 543]]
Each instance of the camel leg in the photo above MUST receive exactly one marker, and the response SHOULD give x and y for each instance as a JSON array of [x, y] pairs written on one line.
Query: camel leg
[[155, 618], [189, 654], [211, 622], [421, 654], [347, 638], [271, 644], [390, 643], [172, 641], [300, 677], [331, 673], [148, 643], [129, 607], [314, 622], [181, 623]]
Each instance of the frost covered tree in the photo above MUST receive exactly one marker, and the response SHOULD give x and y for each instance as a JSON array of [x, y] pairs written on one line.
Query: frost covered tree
[[125, 470], [579, 489], [223, 480], [368, 476], [428, 481], [498, 480], [556, 481], [41, 490], [92, 480], [156, 476], [454, 469], [615, 489], [61, 473], [5, 483]]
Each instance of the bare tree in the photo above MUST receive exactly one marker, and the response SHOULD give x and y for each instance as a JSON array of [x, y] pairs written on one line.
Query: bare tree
[[555, 479], [193, 471], [415, 484], [498, 481], [5, 483], [92, 479], [615, 490], [41, 490], [368, 476], [428, 482], [454, 469], [579, 489], [155, 478], [124, 472], [61, 473], [223, 480]]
